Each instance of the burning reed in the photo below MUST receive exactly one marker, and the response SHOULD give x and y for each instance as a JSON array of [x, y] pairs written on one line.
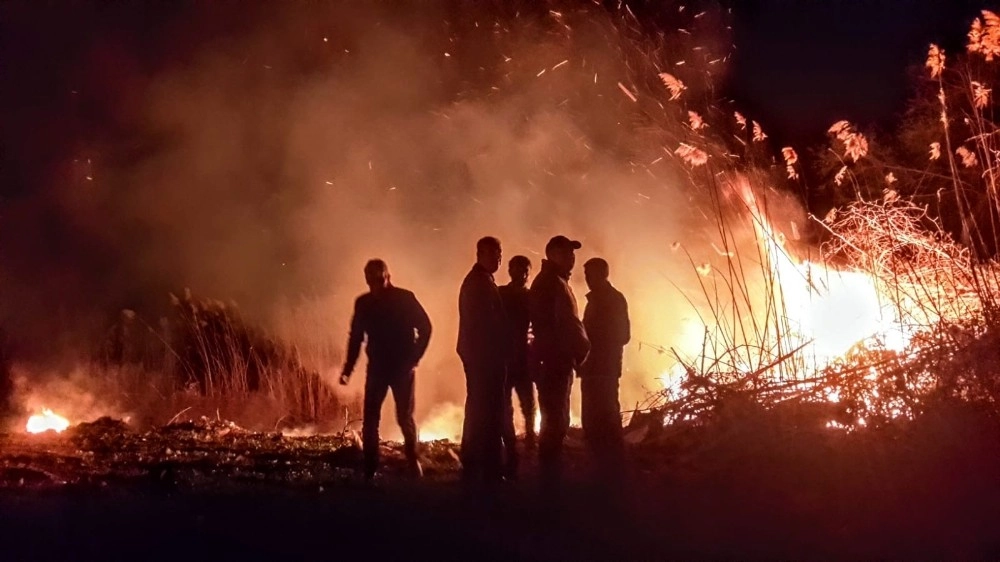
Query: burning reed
[[891, 316]]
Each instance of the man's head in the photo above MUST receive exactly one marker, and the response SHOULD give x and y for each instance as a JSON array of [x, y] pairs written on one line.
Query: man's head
[[560, 250], [596, 271], [518, 268], [488, 254], [376, 275]]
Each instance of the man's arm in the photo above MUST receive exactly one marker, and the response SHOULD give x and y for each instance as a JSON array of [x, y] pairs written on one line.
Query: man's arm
[[422, 323], [473, 304], [464, 321], [354, 340], [581, 344], [573, 329], [624, 328]]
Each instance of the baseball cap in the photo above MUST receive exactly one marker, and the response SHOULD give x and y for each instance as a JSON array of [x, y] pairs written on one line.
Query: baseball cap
[[561, 242]]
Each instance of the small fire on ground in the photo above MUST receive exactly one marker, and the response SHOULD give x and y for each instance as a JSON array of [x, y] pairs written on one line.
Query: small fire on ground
[[46, 421]]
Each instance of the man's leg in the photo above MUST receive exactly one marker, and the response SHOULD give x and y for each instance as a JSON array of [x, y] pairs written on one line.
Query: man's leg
[[589, 416], [553, 398], [492, 400], [616, 441], [547, 411], [472, 426], [525, 390], [509, 435], [403, 395], [376, 387], [602, 424]]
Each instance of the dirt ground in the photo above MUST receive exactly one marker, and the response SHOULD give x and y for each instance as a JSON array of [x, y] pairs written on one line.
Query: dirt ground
[[752, 489]]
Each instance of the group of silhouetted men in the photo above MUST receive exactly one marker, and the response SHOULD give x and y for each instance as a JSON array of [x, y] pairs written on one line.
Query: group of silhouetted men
[[512, 339]]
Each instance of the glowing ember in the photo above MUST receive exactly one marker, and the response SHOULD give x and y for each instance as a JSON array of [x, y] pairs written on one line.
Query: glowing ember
[[47, 420]]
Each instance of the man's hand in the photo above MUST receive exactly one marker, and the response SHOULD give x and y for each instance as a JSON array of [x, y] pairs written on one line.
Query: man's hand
[[345, 378]]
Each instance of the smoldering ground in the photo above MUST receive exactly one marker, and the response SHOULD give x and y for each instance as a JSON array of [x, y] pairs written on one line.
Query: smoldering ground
[[262, 153]]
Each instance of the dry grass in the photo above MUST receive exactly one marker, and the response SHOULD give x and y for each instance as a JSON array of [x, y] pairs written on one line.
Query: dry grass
[[205, 359]]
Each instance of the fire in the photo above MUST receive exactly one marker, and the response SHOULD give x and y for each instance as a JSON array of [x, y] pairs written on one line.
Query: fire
[[828, 311], [443, 422], [831, 311], [47, 420], [816, 312]]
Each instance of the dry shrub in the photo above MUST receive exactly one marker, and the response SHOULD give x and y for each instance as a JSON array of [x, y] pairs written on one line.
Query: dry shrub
[[929, 277]]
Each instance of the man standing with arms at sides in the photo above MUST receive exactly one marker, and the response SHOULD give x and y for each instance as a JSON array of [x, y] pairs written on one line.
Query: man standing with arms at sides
[[398, 330], [607, 324], [482, 345], [515, 297], [560, 345]]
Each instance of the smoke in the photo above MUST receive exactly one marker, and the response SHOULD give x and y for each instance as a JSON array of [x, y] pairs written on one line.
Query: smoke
[[264, 160]]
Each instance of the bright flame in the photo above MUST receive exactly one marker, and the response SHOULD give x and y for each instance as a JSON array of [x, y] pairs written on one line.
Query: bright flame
[[836, 310], [825, 312], [443, 422], [828, 310], [47, 420]]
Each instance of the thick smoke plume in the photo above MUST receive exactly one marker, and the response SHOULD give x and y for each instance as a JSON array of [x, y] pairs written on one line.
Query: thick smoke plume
[[263, 160]]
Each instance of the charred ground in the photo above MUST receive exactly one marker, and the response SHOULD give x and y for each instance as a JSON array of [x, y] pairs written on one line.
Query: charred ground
[[752, 484]]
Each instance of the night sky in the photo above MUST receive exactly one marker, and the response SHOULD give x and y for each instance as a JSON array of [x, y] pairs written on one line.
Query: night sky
[[802, 65], [799, 64]]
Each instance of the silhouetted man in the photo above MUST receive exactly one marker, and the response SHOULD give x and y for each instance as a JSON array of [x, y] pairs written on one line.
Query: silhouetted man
[[397, 330], [560, 345], [515, 297], [606, 321], [482, 346]]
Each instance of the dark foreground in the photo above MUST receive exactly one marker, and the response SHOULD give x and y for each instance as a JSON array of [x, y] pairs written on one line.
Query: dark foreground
[[749, 488]]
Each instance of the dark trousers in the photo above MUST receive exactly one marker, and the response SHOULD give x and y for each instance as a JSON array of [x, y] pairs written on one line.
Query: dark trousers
[[518, 383], [377, 385], [482, 431], [602, 423], [554, 385]]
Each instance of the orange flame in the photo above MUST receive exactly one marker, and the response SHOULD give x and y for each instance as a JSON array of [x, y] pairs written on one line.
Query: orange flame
[[827, 312], [47, 420]]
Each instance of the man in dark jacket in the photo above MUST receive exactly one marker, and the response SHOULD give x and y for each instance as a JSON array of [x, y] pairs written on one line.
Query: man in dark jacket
[[560, 345], [398, 330], [607, 324], [482, 346], [515, 297]]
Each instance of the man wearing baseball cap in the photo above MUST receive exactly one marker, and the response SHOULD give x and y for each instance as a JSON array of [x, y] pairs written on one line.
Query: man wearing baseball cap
[[560, 345]]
